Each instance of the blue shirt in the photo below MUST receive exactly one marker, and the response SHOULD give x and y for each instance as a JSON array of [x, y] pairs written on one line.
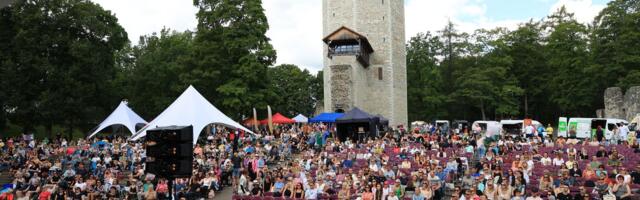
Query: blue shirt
[[278, 186], [347, 163], [325, 136], [389, 174], [417, 197], [260, 162], [249, 149], [442, 175]]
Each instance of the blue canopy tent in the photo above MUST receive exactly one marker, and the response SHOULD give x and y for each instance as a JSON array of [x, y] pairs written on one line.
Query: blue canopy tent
[[326, 118]]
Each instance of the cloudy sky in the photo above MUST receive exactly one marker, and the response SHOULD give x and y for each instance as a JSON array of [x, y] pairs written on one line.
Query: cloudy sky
[[296, 25]]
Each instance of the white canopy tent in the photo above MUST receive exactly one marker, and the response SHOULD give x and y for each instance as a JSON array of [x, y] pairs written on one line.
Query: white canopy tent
[[122, 115], [191, 108], [300, 119]]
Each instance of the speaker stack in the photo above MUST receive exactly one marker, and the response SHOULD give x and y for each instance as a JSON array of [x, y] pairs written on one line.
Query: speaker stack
[[170, 152]]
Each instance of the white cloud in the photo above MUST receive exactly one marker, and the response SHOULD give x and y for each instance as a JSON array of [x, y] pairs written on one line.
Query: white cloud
[[143, 17], [296, 31], [433, 15], [584, 10], [296, 26]]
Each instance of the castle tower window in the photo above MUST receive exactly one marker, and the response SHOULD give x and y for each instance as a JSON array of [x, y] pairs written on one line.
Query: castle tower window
[[346, 49], [346, 42]]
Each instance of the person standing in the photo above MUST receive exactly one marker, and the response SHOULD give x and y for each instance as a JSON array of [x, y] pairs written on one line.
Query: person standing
[[615, 137], [243, 184], [318, 137], [600, 134], [549, 131], [623, 132], [541, 133], [529, 131]]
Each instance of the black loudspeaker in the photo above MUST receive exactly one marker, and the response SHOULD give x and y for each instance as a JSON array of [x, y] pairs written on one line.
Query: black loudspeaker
[[170, 151]]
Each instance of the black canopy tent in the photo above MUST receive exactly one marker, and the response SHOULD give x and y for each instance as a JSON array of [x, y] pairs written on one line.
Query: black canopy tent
[[383, 123], [356, 125]]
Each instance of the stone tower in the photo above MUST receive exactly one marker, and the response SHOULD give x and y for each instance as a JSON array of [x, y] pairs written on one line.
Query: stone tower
[[365, 58]]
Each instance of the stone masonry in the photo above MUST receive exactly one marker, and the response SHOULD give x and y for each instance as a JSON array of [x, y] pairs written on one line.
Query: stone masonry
[[382, 22], [341, 85], [617, 105], [613, 101], [632, 102]]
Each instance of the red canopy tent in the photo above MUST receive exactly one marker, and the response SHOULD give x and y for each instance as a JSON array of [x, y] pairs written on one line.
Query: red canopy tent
[[278, 119]]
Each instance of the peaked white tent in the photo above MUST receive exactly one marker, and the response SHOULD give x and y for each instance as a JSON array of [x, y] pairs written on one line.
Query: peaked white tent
[[122, 115], [191, 108], [300, 118]]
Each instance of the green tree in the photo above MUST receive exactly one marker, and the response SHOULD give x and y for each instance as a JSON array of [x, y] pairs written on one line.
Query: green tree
[[455, 47], [454, 44], [615, 45], [7, 30], [318, 89], [486, 84], [424, 81], [293, 88], [524, 46], [151, 72], [567, 57], [231, 54], [60, 61]]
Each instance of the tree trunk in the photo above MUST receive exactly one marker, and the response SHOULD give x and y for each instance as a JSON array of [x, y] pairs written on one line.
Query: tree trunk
[[484, 117], [526, 105], [49, 130]]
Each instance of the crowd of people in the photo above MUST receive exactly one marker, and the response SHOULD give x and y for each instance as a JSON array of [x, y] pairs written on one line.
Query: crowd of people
[[309, 162]]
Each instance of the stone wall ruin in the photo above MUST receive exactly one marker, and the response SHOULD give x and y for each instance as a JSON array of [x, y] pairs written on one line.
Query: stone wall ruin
[[622, 106]]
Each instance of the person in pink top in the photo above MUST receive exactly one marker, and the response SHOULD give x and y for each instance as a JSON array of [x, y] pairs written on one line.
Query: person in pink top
[[197, 150]]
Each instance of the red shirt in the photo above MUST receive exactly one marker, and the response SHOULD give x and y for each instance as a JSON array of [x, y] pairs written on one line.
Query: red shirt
[[70, 150], [232, 136], [44, 195]]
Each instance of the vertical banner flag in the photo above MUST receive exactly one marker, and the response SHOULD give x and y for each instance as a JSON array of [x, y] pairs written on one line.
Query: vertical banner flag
[[255, 120], [270, 119]]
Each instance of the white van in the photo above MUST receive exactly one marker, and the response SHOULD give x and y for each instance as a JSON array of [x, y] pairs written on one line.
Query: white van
[[516, 127], [586, 127], [442, 124], [490, 128], [417, 124]]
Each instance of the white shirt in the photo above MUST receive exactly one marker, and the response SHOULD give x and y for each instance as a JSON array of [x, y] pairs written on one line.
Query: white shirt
[[546, 161], [80, 185], [529, 130], [624, 131], [385, 192], [392, 197], [373, 167], [530, 165], [107, 159], [558, 161], [311, 193], [243, 182]]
